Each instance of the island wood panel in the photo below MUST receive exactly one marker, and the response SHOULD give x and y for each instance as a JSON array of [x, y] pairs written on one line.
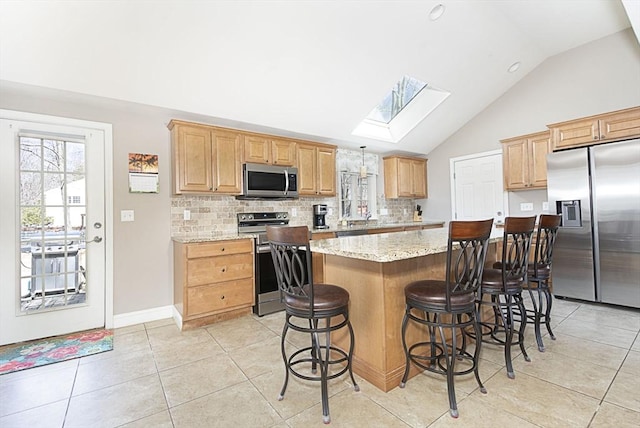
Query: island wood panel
[[376, 310]]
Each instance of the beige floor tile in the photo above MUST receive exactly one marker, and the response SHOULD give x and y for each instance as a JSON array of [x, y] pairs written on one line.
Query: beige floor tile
[[273, 322], [476, 413], [540, 402], [41, 370], [194, 380], [168, 357], [348, 409], [159, 323], [587, 350], [594, 331], [169, 336], [631, 363], [610, 415], [578, 375], [636, 344], [300, 394], [123, 345], [47, 416], [423, 399], [112, 371], [239, 332], [563, 307], [607, 316], [625, 391], [33, 391], [262, 357], [227, 408], [117, 405], [128, 329], [158, 420]]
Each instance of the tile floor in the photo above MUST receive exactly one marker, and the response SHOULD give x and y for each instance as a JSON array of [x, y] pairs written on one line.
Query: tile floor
[[229, 375]]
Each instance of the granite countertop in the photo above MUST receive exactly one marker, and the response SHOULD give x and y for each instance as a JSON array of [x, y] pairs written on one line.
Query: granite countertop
[[389, 247], [360, 225], [211, 237]]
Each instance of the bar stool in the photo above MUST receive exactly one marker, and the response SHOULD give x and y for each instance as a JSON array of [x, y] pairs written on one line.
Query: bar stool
[[450, 305], [324, 307], [540, 275], [503, 285]]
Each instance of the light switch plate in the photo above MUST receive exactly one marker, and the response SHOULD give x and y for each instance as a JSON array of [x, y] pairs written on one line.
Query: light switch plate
[[186, 215], [526, 207], [294, 212], [545, 206], [127, 215], [384, 211]]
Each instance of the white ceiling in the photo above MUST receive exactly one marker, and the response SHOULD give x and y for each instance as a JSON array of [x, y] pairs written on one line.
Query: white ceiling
[[311, 69]]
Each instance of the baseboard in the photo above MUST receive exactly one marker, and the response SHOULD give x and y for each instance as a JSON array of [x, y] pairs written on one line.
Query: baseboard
[[148, 315]]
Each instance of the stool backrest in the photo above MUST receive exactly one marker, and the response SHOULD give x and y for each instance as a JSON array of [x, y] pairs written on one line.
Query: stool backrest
[[545, 239], [516, 247], [466, 254], [292, 261]]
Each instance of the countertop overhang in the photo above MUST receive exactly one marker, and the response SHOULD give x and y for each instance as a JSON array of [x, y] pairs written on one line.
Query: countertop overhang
[[390, 247]]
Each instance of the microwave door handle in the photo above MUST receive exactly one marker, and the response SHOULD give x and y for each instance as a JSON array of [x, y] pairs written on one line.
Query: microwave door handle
[[286, 182]]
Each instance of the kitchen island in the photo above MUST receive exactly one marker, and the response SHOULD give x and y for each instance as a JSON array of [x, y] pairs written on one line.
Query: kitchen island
[[374, 269]]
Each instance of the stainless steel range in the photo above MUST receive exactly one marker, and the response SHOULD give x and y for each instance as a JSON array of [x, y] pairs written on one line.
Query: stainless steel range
[[268, 298]]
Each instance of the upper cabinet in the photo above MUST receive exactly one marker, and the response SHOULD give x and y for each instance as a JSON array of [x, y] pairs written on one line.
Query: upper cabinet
[[316, 169], [205, 159], [262, 149], [524, 161], [613, 126], [405, 177]]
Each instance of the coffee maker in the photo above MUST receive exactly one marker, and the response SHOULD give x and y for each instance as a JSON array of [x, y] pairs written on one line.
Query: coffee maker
[[319, 213]]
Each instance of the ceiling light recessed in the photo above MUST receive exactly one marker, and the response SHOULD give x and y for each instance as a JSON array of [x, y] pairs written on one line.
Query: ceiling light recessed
[[436, 12], [514, 67]]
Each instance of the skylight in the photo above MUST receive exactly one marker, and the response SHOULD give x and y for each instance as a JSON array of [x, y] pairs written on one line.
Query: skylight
[[406, 105]]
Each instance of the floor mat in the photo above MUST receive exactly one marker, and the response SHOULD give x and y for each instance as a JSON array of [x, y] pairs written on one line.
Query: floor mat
[[40, 352]]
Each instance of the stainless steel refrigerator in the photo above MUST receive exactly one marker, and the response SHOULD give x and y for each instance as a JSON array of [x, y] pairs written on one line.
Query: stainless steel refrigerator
[[597, 251]]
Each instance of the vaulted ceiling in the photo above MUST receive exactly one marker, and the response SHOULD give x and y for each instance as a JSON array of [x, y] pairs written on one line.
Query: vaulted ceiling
[[311, 69]]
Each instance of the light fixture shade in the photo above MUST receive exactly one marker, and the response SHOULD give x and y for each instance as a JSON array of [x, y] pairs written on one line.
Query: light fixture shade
[[363, 171]]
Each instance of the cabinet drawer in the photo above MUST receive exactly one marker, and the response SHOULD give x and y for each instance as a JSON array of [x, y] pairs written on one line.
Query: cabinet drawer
[[219, 297], [220, 248], [208, 270]]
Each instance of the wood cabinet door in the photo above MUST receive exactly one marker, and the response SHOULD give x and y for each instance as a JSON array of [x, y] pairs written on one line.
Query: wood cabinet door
[[617, 126], [326, 171], [405, 178], [307, 170], [226, 154], [539, 147], [575, 134], [419, 178], [193, 160], [283, 152], [257, 149], [515, 164]]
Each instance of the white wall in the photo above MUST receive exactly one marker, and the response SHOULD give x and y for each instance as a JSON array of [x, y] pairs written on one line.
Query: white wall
[[594, 78]]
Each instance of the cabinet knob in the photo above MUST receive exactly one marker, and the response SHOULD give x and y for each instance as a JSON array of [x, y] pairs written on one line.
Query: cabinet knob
[[222, 249], [222, 297], [596, 137], [224, 270]]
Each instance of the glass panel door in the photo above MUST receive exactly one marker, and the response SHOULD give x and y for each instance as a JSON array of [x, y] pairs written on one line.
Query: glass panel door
[[52, 223]]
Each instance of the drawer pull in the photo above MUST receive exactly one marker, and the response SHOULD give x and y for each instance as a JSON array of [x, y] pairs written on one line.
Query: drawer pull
[[222, 249]]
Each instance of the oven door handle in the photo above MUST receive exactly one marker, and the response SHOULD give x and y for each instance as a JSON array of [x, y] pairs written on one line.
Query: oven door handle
[[263, 248]]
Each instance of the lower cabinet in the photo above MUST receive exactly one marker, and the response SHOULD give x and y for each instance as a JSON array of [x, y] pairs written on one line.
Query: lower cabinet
[[213, 280]]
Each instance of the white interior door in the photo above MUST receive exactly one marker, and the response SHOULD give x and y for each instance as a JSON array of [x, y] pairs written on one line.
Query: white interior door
[[477, 187], [52, 228]]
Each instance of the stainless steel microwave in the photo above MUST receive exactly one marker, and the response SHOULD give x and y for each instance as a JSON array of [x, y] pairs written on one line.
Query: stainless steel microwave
[[269, 181]]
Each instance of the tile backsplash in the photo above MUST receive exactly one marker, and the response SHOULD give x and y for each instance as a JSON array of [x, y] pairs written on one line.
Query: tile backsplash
[[217, 214]]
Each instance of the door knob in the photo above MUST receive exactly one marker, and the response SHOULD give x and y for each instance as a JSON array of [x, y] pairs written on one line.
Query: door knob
[[95, 239]]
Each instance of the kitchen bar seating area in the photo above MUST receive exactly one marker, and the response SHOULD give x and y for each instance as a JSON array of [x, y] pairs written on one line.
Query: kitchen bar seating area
[[230, 373]]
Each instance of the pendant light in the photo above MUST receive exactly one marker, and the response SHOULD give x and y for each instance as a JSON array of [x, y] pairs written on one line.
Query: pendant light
[[363, 168]]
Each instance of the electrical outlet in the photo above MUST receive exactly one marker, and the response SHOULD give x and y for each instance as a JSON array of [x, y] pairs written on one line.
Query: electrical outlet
[[186, 215], [126, 215], [384, 211], [330, 211], [294, 212], [526, 207]]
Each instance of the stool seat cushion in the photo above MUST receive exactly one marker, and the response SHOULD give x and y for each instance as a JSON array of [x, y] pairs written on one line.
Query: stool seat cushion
[[433, 294], [326, 297], [492, 282]]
